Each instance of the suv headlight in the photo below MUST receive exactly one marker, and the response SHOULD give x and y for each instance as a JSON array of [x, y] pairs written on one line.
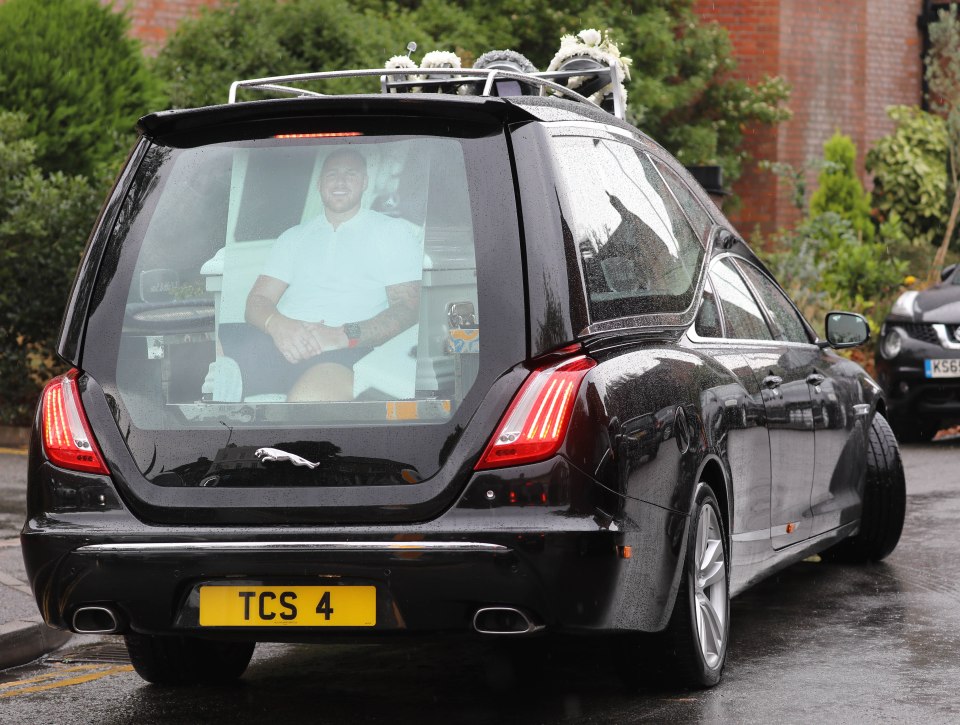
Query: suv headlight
[[903, 307], [892, 344]]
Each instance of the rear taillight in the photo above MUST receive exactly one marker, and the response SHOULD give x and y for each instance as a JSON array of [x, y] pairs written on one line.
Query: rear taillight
[[536, 422], [67, 440]]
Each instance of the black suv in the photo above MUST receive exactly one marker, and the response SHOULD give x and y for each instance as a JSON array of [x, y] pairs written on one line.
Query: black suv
[[918, 359], [389, 365]]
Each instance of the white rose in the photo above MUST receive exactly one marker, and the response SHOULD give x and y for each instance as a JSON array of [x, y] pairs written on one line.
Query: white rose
[[590, 36]]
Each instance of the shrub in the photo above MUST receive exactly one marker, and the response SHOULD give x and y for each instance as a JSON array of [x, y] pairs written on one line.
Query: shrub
[[834, 259], [909, 168], [942, 73], [258, 38], [69, 66], [44, 219]]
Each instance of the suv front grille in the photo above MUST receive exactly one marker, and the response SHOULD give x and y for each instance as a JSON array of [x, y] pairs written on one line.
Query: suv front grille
[[921, 331]]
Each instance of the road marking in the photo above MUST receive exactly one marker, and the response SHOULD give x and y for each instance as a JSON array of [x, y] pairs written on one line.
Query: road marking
[[9, 542], [14, 451], [49, 675], [70, 681]]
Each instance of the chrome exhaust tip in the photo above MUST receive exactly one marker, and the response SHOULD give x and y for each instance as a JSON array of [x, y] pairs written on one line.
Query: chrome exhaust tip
[[504, 620], [95, 620]]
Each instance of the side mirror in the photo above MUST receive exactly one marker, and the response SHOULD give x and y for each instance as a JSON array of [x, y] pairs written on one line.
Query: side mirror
[[946, 272], [846, 329]]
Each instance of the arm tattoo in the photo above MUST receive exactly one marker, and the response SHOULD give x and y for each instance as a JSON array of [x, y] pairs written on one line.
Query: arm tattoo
[[404, 310]]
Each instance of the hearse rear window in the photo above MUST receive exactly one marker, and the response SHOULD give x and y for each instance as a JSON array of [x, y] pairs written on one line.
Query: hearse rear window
[[304, 280]]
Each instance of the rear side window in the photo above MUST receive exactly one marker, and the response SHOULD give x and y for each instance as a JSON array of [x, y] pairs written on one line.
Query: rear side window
[[694, 210], [638, 252], [742, 316], [708, 323], [785, 317]]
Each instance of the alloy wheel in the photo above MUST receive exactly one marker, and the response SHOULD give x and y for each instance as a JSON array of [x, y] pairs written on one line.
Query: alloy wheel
[[710, 587]]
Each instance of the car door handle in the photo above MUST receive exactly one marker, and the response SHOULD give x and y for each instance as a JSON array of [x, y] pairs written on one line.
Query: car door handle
[[815, 379], [772, 382]]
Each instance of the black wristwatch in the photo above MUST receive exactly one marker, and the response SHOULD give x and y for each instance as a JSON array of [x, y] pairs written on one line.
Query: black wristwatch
[[352, 331]]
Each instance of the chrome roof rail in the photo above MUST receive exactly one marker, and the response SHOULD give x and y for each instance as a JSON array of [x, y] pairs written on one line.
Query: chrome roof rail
[[444, 79]]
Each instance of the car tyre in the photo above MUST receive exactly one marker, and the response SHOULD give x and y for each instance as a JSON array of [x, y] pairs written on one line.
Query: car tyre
[[176, 660], [699, 628], [884, 500]]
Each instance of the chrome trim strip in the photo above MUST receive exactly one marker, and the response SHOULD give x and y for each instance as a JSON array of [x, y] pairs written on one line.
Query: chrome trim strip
[[287, 546], [758, 535], [945, 341]]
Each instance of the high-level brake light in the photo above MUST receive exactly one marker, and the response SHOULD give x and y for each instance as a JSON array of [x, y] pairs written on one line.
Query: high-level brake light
[[536, 422], [326, 134], [67, 440]]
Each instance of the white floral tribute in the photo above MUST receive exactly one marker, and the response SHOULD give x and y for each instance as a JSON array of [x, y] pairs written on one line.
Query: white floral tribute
[[440, 59], [400, 62], [590, 43], [433, 59]]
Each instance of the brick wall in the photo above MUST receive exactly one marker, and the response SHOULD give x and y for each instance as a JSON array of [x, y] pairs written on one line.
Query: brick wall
[[153, 20], [846, 62]]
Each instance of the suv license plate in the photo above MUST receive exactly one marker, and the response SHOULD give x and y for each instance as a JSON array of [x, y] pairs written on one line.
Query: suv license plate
[[307, 606], [949, 368]]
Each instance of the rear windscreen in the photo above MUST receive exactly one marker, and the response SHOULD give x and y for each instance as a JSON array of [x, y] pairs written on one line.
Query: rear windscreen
[[312, 284]]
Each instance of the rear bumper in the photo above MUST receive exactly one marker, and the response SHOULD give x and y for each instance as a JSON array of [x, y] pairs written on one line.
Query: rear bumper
[[566, 573], [544, 538]]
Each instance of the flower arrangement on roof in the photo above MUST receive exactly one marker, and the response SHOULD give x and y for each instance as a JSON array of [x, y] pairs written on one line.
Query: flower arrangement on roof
[[593, 45], [399, 62], [440, 59]]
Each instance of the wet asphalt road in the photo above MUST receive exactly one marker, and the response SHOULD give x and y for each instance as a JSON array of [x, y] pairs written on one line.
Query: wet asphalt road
[[819, 642]]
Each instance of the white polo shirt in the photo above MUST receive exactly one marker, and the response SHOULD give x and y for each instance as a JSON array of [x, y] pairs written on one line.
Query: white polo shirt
[[340, 276]]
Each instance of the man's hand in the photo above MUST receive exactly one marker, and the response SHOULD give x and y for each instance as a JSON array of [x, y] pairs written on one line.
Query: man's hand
[[292, 338], [298, 341], [325, 338]]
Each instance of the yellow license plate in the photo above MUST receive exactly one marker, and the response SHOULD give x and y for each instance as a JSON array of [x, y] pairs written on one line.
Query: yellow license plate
[[307, 606]]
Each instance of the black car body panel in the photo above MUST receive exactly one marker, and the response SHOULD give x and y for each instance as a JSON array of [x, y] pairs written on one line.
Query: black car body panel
[[590, 539]]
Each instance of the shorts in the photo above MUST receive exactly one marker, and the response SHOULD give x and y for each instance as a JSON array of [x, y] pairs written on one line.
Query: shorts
[[263, 367]]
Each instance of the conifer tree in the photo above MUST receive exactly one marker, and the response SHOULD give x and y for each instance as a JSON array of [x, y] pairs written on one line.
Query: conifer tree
[[839, 188]]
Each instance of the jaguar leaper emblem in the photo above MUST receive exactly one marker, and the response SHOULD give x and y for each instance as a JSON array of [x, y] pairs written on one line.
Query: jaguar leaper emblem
[[275, 455]]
